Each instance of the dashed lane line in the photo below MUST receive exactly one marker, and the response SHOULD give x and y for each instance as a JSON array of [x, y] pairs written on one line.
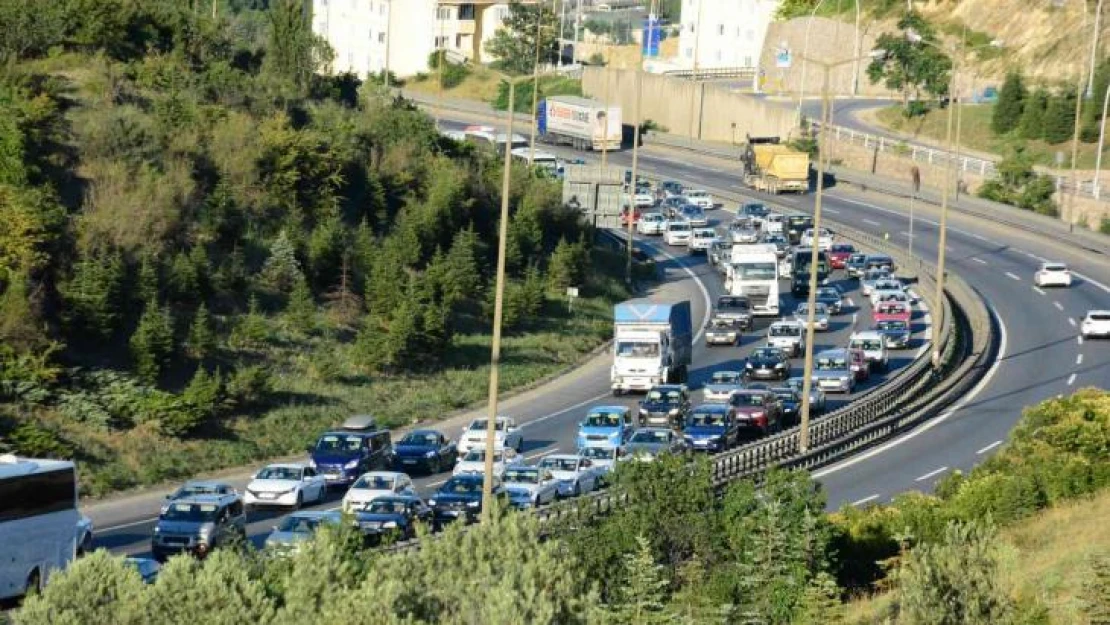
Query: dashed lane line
[[1071, 320], [1059, 306], [980, 261], [931, 474], [1079, 359], [988, 447], [1038, 290], [860, 502], [1013, 276], [1071, 379]]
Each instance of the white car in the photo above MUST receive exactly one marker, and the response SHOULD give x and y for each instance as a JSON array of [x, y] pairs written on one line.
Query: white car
[[701, 239], [1052, 274], [643, 199], [885, 289], [576, 474], [291, 485], [788, 336], [824, 239], [677, 233], [506, 434], [786, 267], [873, 345], [530, 487], [820, 316], [651, 223], [1096, 324], [475, 461], [773, 223], [370, 486], [700, 198]]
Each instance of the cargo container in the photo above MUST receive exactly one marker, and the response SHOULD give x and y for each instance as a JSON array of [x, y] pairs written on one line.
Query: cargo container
[[580, 123]]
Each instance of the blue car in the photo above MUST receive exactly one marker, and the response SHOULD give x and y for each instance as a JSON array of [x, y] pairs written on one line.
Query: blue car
[[605, 426], [342, 455], [711, 427], [460, 498], [397, 515], [427, 450]]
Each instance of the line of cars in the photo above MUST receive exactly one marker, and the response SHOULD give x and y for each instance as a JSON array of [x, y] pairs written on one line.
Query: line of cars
[[1096, 323]]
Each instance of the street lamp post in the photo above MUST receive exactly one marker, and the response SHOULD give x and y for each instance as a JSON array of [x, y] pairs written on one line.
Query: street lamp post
[[811, 297], [535, 86], [1101, 142], [1094, 45], [635, 143], [694, 74], [805, 57]]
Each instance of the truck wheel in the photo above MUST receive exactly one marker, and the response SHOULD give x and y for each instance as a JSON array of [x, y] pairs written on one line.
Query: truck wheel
[[617, 392]]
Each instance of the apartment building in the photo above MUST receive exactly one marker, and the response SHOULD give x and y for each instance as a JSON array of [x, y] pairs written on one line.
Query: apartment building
[[723, 33], [371, 35]]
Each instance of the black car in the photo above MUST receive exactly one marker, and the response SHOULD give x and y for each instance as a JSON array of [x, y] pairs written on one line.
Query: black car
[[856, 265], [767, 363], [753, 209], [791, 403], [460, 498], [896, 334], [795, 226], [427, 450], [735, 307], [665, 405], [879, 261], [394, 515], [672, 187], [830, 296]]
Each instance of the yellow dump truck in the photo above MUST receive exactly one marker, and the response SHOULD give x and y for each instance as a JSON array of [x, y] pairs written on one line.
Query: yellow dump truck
[[772, 167]]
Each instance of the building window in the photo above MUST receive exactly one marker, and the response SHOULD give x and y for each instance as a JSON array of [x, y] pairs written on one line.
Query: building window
[[381, 37], [443, 13], [381, 9], [466, 11], [747, 61], [751, 35]]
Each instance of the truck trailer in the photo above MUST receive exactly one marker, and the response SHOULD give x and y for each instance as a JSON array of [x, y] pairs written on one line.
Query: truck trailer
[[652, 344], [581, 123], [772, 167]]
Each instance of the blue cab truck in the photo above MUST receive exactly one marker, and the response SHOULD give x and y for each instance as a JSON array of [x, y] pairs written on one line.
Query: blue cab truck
[[652, 344]]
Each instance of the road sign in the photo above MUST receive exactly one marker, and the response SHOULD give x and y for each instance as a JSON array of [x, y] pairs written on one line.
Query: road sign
[[652, 33], [783, 58]]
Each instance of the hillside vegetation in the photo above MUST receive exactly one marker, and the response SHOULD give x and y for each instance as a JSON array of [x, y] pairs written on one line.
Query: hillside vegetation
[[209, 251]]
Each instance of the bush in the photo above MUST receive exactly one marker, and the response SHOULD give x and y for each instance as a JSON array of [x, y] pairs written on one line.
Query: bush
[[1104, 225], [249, 387], [31, 439]]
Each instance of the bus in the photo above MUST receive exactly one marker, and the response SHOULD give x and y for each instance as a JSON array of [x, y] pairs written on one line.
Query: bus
[[38, 521], [546, 161], [803, 256]]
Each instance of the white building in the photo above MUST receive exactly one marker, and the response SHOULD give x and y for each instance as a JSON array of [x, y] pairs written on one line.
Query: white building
[[369, 35], [723, 33]]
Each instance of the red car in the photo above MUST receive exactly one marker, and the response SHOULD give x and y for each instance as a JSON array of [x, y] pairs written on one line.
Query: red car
[[892, 311], [839, 253], [635, 217]]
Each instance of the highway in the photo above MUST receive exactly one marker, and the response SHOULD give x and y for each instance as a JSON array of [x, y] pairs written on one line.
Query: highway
[[1040, 357]]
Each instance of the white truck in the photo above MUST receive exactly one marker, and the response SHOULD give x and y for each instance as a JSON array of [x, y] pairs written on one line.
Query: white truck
[[581, 123], [652, 344], [753, 272]]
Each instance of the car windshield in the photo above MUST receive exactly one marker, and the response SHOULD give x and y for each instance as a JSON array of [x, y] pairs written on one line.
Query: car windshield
[[189, 490], [560, 464], [1099, 316], [421, 438], [636, 349], [478, 455], [857, 258], [298, 525], [706, 418], [1055, 268], [279, 473], [669, 395], [725, 377], [600, 453], [193, 512], [343, 443], [828, 293], [893, 325], [748, 399], [732, 304], [481, 425], [765, 353], [842, 249], [678, 227], [818, 308], [374, 482], [869, 345], [651, 437], [462, 487], [785, 330], [891, 309], [385, 506], [755, 271], [831, 364], [523, 476], [876, 275], [785, 394], [603, 419], [704, 234], [723, 323]]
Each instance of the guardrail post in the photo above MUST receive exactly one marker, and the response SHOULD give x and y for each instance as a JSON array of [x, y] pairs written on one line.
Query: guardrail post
[[882, 145], [931, 152], [983, 168], [865, 138]]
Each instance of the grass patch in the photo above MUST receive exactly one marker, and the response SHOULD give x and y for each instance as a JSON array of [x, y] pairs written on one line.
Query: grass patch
[[1044, 557], [479, 84], [976, 134]]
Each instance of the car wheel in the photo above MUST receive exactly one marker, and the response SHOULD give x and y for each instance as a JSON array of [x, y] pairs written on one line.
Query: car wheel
[[300, 500], [577, 490], [519, 445], [437, 466], [34, 584]]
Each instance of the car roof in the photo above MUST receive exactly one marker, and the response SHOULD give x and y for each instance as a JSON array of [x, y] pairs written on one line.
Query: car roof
[[1054, 264], [562, 457], [285, 465], [867, 334], [702, 408], [360, 422], [436, 432], [833, 353], [666, 387], [317, 514], [404, 498], [208, 498], [392, 474], [1098, 312], [786, 322], [212, 483], [610, 409]]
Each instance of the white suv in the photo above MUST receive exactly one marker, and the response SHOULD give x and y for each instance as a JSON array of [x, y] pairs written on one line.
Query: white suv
[[701, 239], [651, 223], [1052, 274], [788, 336], [700, 198], [873, 345], [1096, 324], [823, 239], [677, 233]]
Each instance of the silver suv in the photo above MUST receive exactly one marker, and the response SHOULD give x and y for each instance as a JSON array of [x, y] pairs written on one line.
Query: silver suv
[[199, 524]]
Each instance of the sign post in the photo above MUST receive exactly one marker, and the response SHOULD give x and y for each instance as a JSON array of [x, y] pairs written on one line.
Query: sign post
[[572, 294]]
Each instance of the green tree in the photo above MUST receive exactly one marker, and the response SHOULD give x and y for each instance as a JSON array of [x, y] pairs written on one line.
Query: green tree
[[30, 28], [94, 295], [147, 283], [567, 266], [21, 328], [181, 280], [644, 595], [1032, 124], [326, 246], [820, 605], [219, 589], [301, 309], [33, 224], [293, 52], [954, 582], [462, 280], [515, 43], [201, 341], [282, 267], [911, 65], [1011, 106], [152, 342], [1059, 118], [118, 588], [691, 604], [252, 330], [204, 396]]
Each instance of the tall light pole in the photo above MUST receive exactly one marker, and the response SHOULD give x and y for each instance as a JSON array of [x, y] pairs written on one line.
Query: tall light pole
[[439, 64], [1101, 142], [805, 57], [535, 86], [1094, 45], [1079, 89], [562, 29], [694, 74], [605, 131], [811, 297], [636, 138]]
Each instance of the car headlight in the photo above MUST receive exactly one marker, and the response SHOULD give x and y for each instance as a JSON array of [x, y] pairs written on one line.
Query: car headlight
[[780, 365], [748, 365], [844, 378], [157, 529], [430, 454], [473, 504], [351, 465], [389, 525], [432, 502], [673, 412]]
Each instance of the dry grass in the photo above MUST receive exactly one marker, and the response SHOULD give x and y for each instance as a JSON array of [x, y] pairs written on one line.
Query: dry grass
[[1043, 558], [481, 84]]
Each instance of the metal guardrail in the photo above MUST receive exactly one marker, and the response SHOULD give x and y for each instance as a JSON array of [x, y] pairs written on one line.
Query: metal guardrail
[[714, 72]]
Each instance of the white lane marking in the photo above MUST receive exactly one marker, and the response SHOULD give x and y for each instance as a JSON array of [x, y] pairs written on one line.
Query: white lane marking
[[1071, 379], [1058, 306], [1071, 320], [542, 454], [871, 221], [1092, 281], [1080, 339], [979, 236], [931, 474], [833, 211], [928, 425], [1079, 359], [1012, 276], [1038, 290], [127, 525], [860, 502], [854, 319], [980, 261], [906, 234], [988, 447]]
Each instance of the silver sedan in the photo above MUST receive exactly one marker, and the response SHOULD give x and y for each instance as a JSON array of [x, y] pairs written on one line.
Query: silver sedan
[[820, 316]]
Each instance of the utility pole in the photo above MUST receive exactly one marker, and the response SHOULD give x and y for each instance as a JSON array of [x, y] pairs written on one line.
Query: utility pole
[[636, 138], [535, 86], [439, 65], [694, 75], [605, 131], [938, 314]]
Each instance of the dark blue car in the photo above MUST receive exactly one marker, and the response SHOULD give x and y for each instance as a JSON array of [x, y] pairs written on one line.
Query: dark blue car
[[460, 498], [426, 450], [711, 428], [392, 515], [360, 446]]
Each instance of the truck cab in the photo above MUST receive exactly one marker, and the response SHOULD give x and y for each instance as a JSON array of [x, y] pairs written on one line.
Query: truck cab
[[652, 345]]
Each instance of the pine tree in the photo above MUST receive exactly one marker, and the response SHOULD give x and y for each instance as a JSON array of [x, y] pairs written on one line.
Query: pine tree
[[1032, 117], [643, 597], [326, 247], [1059, 118], [204, 394], [182, 279], [820, 604], [463, 277], [690, 605], [1011, 102], [252, 331], [152, 342], [202, 269], [147, 284], [93, 295], [364, 247], [20, 327], [564, 268], [301, 309], [282, 267], [201, 342]]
